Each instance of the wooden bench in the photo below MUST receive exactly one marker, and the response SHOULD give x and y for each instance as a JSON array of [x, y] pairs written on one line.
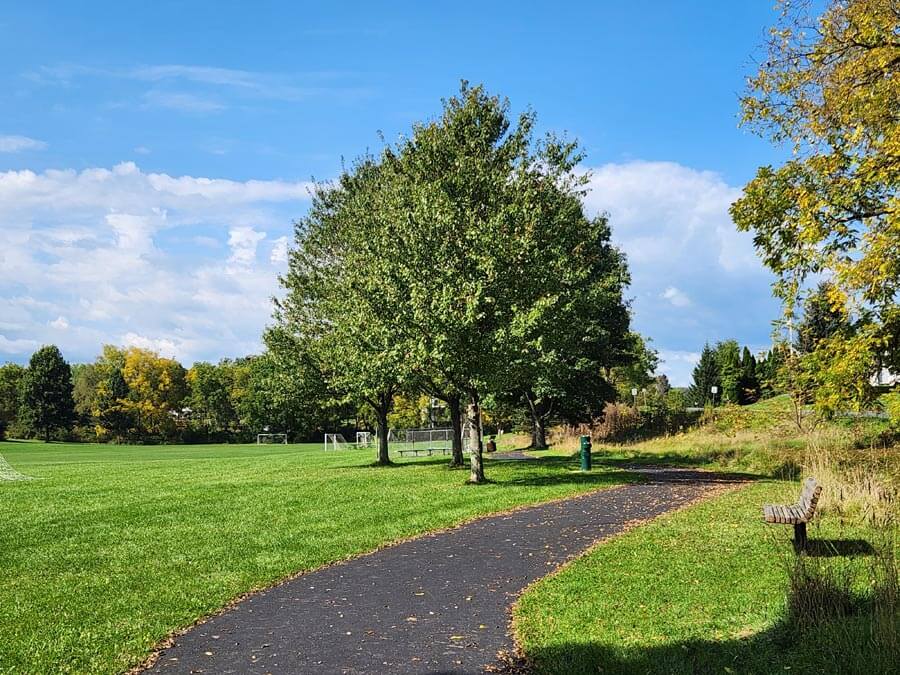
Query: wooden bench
[[798, 514], [428, 451]]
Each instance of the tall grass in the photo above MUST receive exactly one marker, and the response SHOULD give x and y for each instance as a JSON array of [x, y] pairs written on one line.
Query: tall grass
[[823, 593]]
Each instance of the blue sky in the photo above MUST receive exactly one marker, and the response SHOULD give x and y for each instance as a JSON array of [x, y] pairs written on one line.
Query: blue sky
[[153, 155]]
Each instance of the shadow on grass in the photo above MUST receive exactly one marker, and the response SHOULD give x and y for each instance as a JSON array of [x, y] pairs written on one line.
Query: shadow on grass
[[840, 646], [833, 548], [560, 470]]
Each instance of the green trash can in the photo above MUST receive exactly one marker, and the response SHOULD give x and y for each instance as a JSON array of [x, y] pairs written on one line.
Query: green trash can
[[585, 453]]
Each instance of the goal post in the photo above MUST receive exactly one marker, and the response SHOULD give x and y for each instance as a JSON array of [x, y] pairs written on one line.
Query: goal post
[[268, 439], [336, 442], [364, 439]]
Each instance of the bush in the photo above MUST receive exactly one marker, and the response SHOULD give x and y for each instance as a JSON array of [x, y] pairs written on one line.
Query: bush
[[620, 422]]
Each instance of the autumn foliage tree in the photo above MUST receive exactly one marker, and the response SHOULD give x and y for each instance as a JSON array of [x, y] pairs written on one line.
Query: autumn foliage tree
[[830, 89]]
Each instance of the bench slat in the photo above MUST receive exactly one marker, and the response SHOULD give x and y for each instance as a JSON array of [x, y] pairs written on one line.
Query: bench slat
[[799, 513]]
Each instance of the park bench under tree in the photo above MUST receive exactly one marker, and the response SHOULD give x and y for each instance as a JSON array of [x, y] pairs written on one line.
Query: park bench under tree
[[798, 514]]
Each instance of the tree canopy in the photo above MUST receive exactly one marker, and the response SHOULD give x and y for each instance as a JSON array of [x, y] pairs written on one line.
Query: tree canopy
[[47, 404], [830, 89], [460, 257]]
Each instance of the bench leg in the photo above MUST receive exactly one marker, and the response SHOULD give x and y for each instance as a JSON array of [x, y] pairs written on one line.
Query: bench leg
[[800, 536]]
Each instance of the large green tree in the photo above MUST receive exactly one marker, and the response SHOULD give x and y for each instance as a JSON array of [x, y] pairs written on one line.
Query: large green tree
[[728, 360], [584, 329], [503, 284], [47, 404], [110, 405], [705, 377], [441, 263], [209, 397], [830, 89], [339, 307]]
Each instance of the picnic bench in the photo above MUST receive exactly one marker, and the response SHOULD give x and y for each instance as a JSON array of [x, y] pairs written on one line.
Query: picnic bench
[[428, 451], [798, 514]]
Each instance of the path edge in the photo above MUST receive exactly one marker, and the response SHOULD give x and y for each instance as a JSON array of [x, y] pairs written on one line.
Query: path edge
[[517, 661]]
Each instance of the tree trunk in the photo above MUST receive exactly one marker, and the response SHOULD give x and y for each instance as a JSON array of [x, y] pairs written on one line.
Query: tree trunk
[[538, 434], [382, 422], [456, 430], [476, 454], [538, 411]]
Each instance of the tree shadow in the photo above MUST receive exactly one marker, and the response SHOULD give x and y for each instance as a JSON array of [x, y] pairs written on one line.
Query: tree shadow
[[418, 461], [595, 478], [840, 646]]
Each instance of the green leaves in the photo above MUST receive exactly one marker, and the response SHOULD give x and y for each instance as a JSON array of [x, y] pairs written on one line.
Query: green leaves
[[459, 260], [831, 87], [46, 390]]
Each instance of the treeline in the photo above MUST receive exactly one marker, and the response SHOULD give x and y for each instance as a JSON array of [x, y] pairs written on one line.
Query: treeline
[[135, 395], [728, 374]]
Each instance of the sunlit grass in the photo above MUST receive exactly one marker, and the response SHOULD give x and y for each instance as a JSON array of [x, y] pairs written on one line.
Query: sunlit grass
[[704, 591], [113, 547]]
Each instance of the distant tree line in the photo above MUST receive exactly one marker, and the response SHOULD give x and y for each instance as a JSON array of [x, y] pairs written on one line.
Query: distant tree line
[[739, 377], [137, 396], [742, 378]]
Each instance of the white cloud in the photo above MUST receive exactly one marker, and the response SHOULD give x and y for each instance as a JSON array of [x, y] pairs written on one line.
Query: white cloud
[[243, 242], [19, 143], [675, 296], [689, 264], [20, 346], [182, 101], [164, 346], [280, 250], [119, 254], [662, 212], [225, 81], [678, 366]]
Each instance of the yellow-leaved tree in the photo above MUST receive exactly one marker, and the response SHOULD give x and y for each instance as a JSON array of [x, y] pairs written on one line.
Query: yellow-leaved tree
[[829, 90], [156, 389]]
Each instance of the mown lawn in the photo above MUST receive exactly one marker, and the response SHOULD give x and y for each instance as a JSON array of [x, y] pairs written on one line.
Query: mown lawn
[[114, 547], [703, 590]]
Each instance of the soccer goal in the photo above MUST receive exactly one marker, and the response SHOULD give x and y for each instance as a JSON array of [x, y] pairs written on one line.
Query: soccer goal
[[9, 473], [268, 439], [336, 442], [363, 439]]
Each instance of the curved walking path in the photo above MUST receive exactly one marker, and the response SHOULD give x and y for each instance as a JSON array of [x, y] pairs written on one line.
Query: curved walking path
[[435, 604]]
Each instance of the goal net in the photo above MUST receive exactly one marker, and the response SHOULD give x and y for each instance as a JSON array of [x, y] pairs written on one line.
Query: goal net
[[336, 442], [9, 473], [422, 440], [267, 439], [363, 439]]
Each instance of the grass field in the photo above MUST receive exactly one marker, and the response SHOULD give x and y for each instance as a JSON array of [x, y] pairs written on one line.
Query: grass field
[[703, 591], [115, 546]]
